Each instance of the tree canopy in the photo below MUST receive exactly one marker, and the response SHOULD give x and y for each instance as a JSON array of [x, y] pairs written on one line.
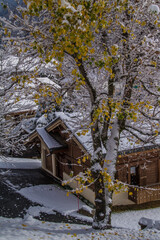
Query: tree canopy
[[107, 54]]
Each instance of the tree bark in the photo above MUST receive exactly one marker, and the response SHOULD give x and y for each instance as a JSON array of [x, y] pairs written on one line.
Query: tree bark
[[99, 221]]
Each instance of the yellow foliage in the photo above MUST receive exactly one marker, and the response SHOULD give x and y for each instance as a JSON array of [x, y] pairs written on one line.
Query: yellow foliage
[[92, 51], [153, 63], [24, 225], [130, 193], [67, 194], [79, 161], [100, 191]]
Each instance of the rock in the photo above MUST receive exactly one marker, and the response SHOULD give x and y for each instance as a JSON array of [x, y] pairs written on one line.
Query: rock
[[146, 223], [149, 223], [157, 225]]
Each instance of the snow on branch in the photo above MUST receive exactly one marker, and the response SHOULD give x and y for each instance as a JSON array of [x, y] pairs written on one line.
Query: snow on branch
[[5, 90], [150, 117], [145, 141], [139, 130], [148, 90]]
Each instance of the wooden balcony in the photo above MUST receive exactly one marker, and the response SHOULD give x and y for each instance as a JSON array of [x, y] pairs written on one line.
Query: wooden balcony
[[145, 194]]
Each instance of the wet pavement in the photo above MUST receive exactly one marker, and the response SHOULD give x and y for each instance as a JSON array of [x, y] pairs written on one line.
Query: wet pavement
[[13, 204]]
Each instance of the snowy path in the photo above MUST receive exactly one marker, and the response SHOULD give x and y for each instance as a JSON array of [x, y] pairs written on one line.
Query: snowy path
[[31, 229]]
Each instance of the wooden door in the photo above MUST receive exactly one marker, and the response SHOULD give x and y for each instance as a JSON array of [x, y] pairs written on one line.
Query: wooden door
[[59, 166], [48, 162]]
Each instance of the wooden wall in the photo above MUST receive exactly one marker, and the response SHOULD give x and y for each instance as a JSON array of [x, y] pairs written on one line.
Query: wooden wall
[[147, 164], [68, 159]]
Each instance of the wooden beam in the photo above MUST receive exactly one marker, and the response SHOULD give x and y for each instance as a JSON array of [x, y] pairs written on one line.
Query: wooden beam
[[159, 168]]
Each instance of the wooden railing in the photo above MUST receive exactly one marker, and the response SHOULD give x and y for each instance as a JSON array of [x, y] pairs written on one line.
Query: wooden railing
[[144, 194]]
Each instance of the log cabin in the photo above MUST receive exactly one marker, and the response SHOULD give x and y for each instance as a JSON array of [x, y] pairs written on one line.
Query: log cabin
[[60, 149], [140, 169]]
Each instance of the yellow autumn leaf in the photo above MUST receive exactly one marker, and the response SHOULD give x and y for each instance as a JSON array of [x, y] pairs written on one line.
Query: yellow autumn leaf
[[74, 72], [67, 194], [156, 132], [92, 50], [143, 23], [100, 191], [130, 193], [24, 225], [109, 180], [79, 161], [153, 63]]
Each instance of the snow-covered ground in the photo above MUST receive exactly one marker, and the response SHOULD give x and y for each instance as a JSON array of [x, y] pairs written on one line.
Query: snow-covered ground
[[31, 229], [53, 198], [19, 163]]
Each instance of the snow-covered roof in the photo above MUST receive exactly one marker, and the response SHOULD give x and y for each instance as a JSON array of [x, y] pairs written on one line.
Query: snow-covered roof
[[21, 106], [46, 80], [50, 141], [27, 101], [70, 121], [127, 143], [28, 64]]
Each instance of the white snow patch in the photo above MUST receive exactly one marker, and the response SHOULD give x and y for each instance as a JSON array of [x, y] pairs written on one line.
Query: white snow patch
[[53, 197], [35, 211], [154, 8], [129, 219], [19, 163]]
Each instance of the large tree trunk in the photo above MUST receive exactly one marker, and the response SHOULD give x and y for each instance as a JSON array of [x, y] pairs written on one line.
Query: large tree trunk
[[100, 221], [96, 171], [102, 212], [110, 163]]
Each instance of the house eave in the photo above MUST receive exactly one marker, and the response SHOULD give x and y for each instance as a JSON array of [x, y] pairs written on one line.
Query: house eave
[[139, 149], [31, 136]]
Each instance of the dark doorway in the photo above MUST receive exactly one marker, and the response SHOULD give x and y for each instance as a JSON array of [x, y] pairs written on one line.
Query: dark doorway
[[134, 175]]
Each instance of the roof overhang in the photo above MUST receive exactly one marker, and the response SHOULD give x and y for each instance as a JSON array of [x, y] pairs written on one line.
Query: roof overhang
[[52, 125]]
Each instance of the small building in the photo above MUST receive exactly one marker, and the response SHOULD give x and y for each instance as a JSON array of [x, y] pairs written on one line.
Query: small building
[[60, 150], [140, 167]]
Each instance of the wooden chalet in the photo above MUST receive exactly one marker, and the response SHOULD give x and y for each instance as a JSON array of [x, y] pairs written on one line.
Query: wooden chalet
[[60, 150], [141, 168]]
